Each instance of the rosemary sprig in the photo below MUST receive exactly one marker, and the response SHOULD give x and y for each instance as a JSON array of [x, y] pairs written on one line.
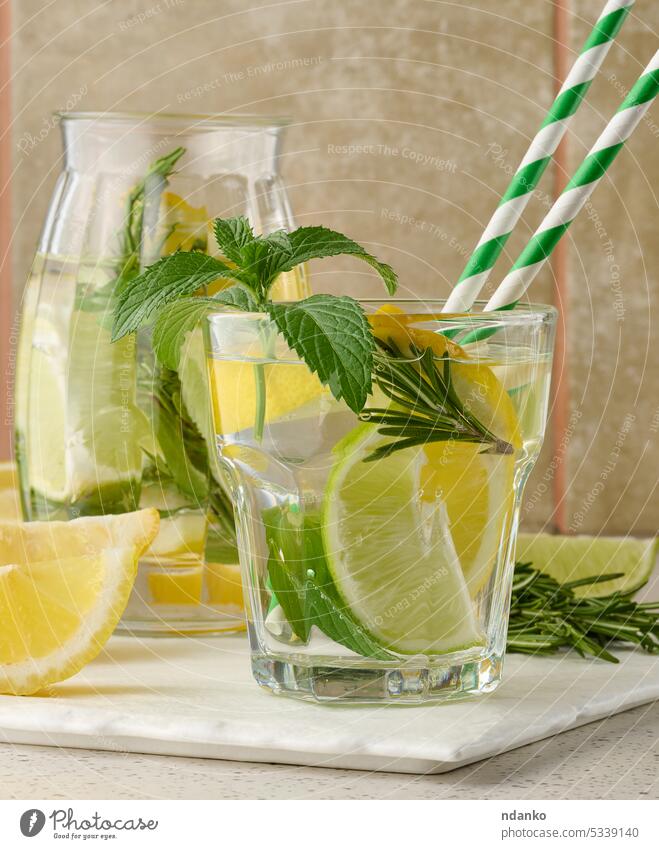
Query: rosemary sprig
[[546, 616], [427, 406], [142, 204], [183, 458], [124, 263]]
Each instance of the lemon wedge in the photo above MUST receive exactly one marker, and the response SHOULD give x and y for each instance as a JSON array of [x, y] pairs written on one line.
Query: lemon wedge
[[63, 588]]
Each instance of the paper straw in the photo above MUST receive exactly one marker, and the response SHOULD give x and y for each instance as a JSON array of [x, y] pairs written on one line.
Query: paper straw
[[579, 189], [538, 156]]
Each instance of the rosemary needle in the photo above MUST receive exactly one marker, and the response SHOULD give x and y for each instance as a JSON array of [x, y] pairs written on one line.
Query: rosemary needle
[[427, 407], [546, 616]]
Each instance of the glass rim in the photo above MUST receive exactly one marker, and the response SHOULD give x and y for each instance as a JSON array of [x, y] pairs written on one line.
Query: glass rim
[[522, 314], [191, 120]]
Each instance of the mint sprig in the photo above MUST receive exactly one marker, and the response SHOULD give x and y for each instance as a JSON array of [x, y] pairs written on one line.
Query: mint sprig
[[167, 280], [316, 242], [301, 583], [331, 334], [178, 318], [233, 235], [263, 258]]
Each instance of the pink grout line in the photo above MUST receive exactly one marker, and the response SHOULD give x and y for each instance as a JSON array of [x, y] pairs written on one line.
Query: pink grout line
[[560, 377], [6, 378]]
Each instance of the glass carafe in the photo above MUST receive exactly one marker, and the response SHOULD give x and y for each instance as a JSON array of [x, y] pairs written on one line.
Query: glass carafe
[[100, 426]]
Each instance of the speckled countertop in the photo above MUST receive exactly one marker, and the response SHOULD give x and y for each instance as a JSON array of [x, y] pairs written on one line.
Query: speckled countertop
[[615, 758]]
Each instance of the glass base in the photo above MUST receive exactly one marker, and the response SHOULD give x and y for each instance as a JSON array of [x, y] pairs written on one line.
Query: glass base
[[177, 623], [432, 683]]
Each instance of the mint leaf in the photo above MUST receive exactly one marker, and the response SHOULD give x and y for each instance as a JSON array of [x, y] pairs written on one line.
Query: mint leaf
[[170, 278], [238, 297], [318, 242], [264, 258], [257, 256], [286, 567], [330, 334], [232, 236], [258, 262], [173, 324], [333, 337], [302, 583], [178, 318]]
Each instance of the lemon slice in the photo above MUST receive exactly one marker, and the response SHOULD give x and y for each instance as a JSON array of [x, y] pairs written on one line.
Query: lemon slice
[[390, 551], [224, 584], [176, 586], [572, 558], [476, 488], [186, 225], [181, 539], [182, 534], [10, 502], [233, 389], [63, 588]]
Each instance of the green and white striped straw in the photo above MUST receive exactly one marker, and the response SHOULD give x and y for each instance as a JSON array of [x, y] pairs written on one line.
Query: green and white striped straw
[[538, 156], [579, 189]]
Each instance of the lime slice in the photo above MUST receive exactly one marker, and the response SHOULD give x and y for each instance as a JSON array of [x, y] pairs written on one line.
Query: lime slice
[[83, 429], [573, 558], [104, 427], [194, 385], [390, 551], [45, 447]]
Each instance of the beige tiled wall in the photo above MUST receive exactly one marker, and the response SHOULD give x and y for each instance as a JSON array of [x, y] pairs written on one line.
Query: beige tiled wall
[[614, 305], [442, 98]]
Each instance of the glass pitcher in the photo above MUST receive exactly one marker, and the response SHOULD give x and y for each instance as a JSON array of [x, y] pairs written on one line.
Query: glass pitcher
[[100, 426]]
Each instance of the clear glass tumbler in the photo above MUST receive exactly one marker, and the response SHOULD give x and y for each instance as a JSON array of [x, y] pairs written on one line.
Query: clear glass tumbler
[[377, 551]]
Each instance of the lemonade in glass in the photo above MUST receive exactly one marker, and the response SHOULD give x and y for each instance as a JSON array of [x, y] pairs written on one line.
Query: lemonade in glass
[[377, 549]]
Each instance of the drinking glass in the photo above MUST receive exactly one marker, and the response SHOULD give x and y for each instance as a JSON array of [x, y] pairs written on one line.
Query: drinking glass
[[372, 574]]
